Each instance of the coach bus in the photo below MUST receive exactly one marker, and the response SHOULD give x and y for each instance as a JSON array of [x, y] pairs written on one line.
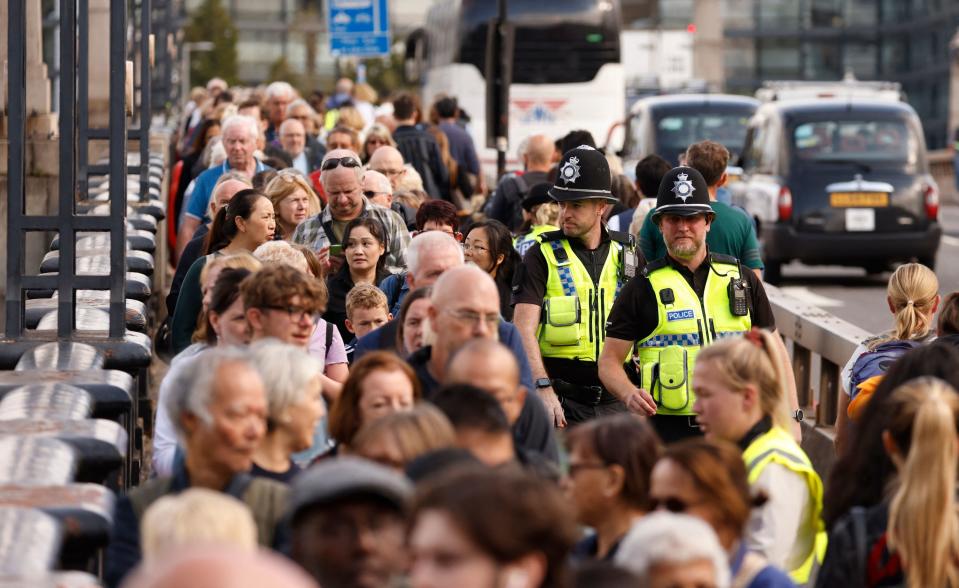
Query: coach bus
[[567, 72]]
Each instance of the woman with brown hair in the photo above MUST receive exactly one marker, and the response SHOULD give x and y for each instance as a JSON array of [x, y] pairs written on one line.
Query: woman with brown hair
[[707, 479], [397, 439], [380, 383], [610, 461], [480, 528]]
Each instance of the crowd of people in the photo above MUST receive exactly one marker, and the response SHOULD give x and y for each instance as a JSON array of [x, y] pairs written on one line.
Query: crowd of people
[[382, 375]]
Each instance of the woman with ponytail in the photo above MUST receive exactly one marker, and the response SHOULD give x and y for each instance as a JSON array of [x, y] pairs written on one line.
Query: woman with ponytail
[[913, 297], [912, 538], [241, 226], [741, 398]]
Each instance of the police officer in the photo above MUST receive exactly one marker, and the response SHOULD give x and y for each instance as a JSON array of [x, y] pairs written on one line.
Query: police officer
[[565, 289], [537, 217], [679, 303]]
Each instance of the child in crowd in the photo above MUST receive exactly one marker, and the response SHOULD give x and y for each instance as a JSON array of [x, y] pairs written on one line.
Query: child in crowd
[[366, 311]]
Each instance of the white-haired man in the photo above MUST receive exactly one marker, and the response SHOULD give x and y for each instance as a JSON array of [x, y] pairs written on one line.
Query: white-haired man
[[218, 406], [279, 95], [340, 175], [379, 190], [239, 138], [293, 142]]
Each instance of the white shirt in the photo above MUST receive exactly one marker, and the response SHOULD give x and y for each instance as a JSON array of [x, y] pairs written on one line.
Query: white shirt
[[301, 164], [164, 433]]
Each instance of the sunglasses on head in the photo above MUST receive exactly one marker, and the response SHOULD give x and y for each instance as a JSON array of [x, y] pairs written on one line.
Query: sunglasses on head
[[674, 505], [338, 161]]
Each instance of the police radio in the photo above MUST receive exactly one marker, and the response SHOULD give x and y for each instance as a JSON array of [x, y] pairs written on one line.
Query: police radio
[[738, 294]]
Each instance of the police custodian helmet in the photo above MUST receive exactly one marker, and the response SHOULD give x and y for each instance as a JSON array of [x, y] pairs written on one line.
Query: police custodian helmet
[[682, 192], [583, 175]]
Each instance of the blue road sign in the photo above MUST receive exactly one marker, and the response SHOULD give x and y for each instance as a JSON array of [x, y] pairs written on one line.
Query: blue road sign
[[358, 27]]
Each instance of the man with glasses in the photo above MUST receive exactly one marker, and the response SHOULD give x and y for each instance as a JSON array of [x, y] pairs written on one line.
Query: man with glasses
[[464, 306], [283, 303], [341, 176], [388, 161], [566, 287]]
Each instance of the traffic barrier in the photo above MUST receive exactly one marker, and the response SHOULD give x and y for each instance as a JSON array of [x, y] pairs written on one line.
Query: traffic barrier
[[819, 344]]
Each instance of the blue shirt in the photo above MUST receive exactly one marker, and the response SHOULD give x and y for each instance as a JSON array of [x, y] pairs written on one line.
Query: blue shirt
[[203, 188], [461, 147]]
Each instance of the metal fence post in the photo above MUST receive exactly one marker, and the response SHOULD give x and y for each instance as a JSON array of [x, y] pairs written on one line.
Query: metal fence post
[[118, 168], [16, 163]]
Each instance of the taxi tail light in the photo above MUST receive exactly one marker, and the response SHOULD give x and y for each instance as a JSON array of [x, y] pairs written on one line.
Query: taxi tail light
[[930, 198], [785, 204]]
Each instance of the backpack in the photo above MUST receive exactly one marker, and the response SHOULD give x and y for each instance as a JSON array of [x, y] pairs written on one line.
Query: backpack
[[877, 361]]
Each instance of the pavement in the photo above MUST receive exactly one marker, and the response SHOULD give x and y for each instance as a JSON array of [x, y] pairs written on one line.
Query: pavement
[[852, 295]]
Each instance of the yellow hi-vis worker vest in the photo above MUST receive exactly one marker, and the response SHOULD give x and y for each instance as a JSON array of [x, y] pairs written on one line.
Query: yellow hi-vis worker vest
[[686, 324], [525, 242], [778, 446], [573, 324]]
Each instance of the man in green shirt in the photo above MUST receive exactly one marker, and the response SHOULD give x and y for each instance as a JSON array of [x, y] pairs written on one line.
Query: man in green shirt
[[731, 233]]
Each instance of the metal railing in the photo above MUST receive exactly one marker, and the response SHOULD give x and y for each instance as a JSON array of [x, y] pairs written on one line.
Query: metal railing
[[819, 345]]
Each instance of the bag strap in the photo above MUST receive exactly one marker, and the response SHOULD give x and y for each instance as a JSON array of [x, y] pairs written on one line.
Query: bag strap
[[329, 339], [858, 522]]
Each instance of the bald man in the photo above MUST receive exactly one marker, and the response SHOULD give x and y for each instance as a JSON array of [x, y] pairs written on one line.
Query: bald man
[[505, 204], [491, 366], [218, 567], [388, 161]]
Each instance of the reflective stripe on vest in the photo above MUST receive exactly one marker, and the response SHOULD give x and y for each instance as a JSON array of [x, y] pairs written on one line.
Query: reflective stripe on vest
[[574, 308], [667, 356], [778, 446]]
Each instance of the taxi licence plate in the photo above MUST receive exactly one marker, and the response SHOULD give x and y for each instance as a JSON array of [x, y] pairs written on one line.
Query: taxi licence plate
[[858, 199]]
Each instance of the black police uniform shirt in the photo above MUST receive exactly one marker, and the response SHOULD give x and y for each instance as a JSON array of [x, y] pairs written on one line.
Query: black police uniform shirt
[[530, 288], [635, 314]]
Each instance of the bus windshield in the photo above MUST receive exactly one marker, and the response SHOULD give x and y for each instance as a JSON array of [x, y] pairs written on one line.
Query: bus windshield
[[562, 41], [677, 131], [887, 141]]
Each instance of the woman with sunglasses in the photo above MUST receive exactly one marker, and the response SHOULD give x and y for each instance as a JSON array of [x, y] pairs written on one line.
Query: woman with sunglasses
[[740, 398], [364, 246], [293, 200], [489, 245], [610, 461], [707, 480], [376, 137]]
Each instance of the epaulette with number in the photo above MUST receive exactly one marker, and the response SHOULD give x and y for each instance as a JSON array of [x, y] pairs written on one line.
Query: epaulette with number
[[723, 258], [623, 237], [655, 265]]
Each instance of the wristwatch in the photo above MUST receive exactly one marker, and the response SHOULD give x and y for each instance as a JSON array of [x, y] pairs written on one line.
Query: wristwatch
[[541, 383]]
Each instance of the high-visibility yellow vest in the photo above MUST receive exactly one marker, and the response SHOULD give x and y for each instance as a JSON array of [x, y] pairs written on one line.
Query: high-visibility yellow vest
[[778, 446], [525, 242], [686, 324], [574, 310]]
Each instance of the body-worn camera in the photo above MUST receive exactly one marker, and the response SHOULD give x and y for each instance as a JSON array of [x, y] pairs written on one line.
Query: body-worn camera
[[738, 291]]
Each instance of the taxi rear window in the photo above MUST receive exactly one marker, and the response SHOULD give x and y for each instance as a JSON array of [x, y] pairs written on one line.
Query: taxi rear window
[[860, 140]]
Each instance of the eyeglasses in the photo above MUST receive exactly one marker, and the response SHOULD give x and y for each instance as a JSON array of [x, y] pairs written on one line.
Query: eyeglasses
[[468, 316], [371, 193], [296, 313], [467, 246], [672, 504], [391, 172], [335, 162]]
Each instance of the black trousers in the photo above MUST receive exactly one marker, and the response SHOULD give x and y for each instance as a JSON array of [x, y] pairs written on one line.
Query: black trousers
[[672, 428], [578, 412]]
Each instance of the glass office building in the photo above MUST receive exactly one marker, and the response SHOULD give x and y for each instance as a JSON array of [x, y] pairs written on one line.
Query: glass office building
[[905, 41]]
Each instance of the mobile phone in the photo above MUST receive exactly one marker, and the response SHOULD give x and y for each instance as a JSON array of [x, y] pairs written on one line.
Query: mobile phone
[[336, 249]]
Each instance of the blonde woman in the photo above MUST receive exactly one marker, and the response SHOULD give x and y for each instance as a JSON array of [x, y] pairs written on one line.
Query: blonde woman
[[193, 518], [914, 534], [377, 136], [398, 438], [913, 298], [741, 398], [293, 200]]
